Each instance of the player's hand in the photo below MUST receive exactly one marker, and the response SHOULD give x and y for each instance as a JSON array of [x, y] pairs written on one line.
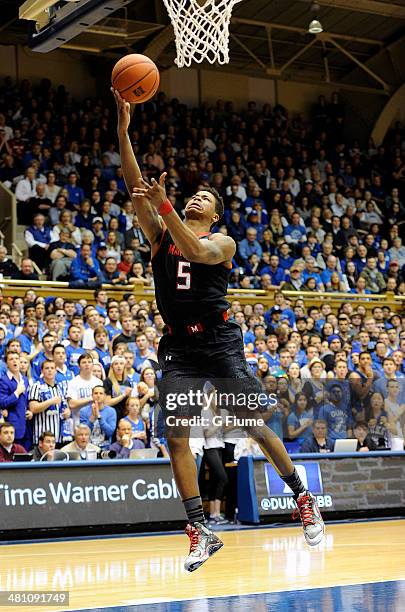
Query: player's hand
[[123, 112], [154, 191]]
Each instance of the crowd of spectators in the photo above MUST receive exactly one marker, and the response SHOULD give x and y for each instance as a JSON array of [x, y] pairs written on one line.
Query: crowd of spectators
[[69, 375], [307, 211], [87, 375]]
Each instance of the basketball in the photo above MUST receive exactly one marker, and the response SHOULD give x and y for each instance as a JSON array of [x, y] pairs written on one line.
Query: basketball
[[136, 78]]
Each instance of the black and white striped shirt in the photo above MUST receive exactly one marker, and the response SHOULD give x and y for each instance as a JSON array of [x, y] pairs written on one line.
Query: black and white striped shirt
[[49, 419]]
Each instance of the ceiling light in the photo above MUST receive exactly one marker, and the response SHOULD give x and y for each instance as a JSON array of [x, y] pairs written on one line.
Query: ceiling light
[[315, 27]]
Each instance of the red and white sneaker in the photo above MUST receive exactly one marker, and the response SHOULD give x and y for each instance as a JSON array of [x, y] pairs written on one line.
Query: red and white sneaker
[[307, 510], [203, 544]]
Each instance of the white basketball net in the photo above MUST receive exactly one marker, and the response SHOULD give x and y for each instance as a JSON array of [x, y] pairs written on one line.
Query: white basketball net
[[201, 30]]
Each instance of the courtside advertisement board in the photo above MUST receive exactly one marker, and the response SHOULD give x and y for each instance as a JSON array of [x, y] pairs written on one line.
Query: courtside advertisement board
[[278, 495], [340, 483], [103, 493]]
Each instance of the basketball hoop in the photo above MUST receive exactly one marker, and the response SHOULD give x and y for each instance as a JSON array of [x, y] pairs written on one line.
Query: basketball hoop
[[201, 29]]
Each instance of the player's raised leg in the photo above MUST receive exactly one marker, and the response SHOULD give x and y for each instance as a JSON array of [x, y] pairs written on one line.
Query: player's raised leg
[[203, 542], [307, 508], [236, 381]]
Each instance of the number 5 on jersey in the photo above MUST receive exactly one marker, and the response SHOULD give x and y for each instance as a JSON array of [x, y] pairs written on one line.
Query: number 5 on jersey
[[183, 275]]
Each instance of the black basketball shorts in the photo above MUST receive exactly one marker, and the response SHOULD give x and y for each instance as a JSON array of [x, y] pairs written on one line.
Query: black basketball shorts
[[214, 358]]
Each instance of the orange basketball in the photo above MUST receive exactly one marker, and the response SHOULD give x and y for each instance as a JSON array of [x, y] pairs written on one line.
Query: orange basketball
[[136, 77]]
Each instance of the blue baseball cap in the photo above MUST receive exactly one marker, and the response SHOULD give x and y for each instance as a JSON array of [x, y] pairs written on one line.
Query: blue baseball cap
[[333, 337]]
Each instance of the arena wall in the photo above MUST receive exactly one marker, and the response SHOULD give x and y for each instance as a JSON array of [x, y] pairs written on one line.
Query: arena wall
[[393, 111], [189, 86], [59, 66]]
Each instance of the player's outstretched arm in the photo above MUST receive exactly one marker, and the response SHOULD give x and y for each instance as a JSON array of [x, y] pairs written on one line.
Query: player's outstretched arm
[[217, 249], [147, 215]]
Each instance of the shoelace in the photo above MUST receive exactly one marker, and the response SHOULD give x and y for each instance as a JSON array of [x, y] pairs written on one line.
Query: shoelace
[[304, 511], [194, 536]]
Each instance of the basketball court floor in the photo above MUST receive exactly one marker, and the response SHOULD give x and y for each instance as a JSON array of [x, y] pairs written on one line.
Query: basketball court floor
[[360, 566]]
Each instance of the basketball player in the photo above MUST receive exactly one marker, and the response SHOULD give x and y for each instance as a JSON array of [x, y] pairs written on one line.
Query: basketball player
[[191, 268]]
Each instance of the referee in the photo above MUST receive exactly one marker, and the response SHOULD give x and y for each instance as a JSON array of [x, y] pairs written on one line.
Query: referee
[[46, 403]]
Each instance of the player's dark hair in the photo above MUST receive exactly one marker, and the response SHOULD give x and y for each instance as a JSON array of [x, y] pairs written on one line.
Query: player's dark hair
[[219, 203]]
